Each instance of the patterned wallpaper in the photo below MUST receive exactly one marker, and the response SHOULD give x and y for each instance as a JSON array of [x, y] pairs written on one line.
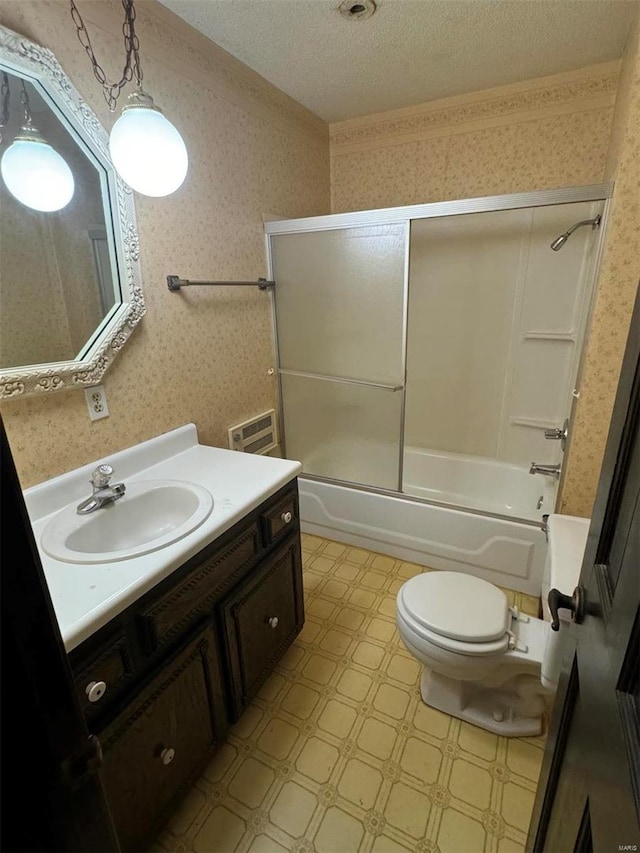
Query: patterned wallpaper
[[542, 134], [615, 294], [198, 356]]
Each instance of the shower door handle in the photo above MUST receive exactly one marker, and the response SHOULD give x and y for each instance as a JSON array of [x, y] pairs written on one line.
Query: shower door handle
[[342, 379]]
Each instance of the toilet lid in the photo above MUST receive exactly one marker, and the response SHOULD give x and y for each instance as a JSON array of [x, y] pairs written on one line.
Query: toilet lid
[[457, 606]]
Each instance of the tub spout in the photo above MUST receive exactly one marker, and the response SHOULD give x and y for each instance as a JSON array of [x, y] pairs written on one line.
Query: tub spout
[[547, 470]]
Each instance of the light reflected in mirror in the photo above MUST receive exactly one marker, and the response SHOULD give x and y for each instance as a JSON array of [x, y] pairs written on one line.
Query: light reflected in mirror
[[71, 281], [57, 282]]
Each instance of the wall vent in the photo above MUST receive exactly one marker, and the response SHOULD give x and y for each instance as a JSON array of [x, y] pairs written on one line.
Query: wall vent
[[257, 435]]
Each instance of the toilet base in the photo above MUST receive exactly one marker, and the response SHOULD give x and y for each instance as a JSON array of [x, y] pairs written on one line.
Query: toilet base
[[514, 709]]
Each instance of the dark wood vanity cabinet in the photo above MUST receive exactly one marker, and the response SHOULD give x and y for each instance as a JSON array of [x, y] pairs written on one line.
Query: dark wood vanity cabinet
[[155, 747], [161, 683], [260, 620]]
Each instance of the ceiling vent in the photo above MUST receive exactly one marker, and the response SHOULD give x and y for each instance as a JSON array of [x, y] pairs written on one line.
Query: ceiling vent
[[357, 9]]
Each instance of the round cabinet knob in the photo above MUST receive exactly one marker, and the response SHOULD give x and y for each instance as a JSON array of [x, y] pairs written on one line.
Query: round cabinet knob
[[273, 622], [287, 517], [95, 690], [167, 755]]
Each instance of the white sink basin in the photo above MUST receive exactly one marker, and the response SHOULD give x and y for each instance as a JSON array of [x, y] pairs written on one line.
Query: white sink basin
[[151, 515]]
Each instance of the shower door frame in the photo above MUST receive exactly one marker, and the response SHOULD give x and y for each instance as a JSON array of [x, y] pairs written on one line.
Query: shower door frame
[[405, 214]]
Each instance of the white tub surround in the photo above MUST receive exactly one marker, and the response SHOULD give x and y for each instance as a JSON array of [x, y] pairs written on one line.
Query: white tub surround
[[507, 553], [87, 596], [478, 482]]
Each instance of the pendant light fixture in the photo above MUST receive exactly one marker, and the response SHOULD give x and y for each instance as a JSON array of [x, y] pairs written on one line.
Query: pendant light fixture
[[146, 149], [32, 170]]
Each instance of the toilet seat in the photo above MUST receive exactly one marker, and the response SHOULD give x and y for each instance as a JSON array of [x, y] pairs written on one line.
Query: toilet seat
[[458, 647], [457, 612]]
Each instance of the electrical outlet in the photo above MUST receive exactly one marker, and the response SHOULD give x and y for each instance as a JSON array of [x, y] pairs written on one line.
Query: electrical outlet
[[96, 402]]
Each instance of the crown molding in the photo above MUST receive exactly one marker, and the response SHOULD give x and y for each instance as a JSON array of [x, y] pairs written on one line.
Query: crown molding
[[592, 88]]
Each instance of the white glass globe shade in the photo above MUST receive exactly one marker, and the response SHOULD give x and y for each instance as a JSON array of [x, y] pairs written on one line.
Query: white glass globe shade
[[148, 152], [37, 176]]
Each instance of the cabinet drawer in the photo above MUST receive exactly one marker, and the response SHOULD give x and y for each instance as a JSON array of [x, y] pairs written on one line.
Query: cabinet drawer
[[101, 675], [171, 615], [280, 519], [261, 619], [161, 742]]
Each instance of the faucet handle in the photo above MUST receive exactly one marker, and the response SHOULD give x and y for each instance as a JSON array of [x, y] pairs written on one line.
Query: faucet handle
[[101, 476], [561, 434], [553, 433]]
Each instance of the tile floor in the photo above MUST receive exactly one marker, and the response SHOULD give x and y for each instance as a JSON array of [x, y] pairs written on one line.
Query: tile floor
[[338, 754]]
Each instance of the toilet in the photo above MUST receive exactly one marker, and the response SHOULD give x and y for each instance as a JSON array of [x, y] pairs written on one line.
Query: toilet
[[484, 661]]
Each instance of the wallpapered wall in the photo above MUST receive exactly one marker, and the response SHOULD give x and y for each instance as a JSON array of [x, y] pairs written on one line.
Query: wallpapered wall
[[540, 134], [198, 356], [615, 294]]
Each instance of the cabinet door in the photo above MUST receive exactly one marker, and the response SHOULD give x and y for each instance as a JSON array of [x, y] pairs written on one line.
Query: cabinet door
[[158, 745], [261, 620]]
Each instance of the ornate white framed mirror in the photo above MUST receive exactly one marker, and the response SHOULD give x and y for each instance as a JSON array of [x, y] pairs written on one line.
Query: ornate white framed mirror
[[70, 279]]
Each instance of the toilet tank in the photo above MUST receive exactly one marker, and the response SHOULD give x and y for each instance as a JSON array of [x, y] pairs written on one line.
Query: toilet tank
[[567, 539]]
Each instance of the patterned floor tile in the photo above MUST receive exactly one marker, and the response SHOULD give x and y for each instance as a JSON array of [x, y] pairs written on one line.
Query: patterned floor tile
[[338, 752]]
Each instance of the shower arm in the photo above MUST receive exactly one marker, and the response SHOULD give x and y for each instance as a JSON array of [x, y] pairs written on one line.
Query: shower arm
[[559, 242], [593, 222]]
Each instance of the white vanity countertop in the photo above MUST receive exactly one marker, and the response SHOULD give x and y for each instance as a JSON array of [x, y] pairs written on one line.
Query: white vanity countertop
[[87, 596]]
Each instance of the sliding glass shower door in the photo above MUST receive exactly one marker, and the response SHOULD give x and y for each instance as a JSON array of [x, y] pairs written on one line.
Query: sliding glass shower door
[[496, 321], [340, 314]]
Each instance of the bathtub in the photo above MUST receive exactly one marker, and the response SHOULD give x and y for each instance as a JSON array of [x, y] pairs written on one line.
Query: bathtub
[[478, 483], [509, 552]]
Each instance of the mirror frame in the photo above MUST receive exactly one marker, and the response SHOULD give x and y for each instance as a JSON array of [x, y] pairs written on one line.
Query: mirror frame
[[40, 65]]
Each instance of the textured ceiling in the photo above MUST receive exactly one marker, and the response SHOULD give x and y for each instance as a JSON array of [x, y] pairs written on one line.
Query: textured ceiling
[[410, 51]]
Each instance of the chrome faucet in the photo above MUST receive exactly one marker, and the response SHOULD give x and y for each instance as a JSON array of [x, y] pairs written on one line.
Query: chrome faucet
[[103, 493], [547, 470]]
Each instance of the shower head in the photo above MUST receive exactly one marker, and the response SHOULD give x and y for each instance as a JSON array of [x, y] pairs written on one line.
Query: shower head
[[559, 242]]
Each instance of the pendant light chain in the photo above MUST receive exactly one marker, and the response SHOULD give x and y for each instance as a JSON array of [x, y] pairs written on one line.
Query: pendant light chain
[[26, 106], [146, 150], [132, 66], [5, 94]]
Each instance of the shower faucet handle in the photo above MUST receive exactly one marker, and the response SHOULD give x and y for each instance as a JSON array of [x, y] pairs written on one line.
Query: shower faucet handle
[[553, 433], [560, 434]]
